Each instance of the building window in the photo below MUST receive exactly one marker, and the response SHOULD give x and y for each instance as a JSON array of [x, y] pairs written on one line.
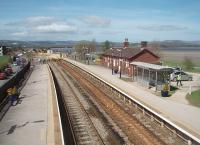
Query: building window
[[127, 64], [105, 59]]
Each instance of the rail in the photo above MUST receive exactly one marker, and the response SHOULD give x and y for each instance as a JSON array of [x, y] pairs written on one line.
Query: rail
[[189, 138], [68, 134]]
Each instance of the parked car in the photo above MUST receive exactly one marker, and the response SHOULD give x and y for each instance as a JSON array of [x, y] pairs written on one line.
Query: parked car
[[2, 75], [176, 69], [8, 70], [184, 76], [15, 63]]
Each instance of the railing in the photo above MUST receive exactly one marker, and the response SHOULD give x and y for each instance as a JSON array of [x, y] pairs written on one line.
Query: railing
[[14, 81], [164, 122]]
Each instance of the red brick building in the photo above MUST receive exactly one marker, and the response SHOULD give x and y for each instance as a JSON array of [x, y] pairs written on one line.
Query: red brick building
[[115, 58]]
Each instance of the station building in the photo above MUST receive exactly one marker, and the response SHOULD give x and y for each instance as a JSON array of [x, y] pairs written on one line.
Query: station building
[[122, 57]]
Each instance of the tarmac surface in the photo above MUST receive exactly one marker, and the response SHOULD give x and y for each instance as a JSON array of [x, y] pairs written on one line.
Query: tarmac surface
[[29, 122], [178, 112], [15, 70]]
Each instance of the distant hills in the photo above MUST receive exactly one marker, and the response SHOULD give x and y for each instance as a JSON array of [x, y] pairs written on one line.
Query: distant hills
[[165, 45], [37, 44], [178, 44]]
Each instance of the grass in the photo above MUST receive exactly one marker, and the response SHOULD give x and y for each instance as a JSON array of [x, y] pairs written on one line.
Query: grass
[[194, 98], [173, 63], [4, 60], [173, 89], [176, 63]]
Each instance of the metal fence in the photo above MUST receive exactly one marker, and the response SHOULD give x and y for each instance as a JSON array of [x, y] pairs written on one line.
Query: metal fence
[[14, 81]]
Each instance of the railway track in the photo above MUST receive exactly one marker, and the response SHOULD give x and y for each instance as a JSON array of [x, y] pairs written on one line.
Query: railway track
[[83, 128], [134, 130]]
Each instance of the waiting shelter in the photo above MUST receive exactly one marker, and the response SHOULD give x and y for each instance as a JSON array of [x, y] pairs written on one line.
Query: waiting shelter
[[151, 75]]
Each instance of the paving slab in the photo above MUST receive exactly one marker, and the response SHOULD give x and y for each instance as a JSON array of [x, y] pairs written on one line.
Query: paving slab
[[27, 122], [182, 114]]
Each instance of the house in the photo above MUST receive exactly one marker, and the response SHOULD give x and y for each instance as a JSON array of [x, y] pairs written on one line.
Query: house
[[49, 51], [120, 58], [1, 51]]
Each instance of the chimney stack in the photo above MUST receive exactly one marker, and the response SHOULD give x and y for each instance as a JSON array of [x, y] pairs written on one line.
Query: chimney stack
[[126, 43], [143, 44]]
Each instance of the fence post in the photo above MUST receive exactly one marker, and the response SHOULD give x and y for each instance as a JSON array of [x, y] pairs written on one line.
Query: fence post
[[190, 90]]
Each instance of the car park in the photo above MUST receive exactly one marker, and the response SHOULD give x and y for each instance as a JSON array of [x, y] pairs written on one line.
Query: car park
[[184, 76], [176, 69], [2, 75], [8, 70], [15, 63]]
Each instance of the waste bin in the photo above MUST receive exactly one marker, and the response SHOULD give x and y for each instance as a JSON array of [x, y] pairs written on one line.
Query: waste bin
[[164, 93]]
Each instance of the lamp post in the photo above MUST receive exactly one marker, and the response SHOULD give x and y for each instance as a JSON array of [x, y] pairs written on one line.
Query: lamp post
[[112, 63], [87, 55], [88, 58], [75, 55], [112, 60], [120, 70]]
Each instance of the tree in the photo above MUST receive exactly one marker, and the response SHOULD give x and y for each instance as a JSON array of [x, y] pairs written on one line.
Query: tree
[[188, 64], [81, 48], [106, 45], [92, 45]]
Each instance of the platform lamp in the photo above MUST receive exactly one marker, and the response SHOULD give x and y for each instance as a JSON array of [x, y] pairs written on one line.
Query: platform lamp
[[112, 59], [120, 71], [87, 54], [75, 55]]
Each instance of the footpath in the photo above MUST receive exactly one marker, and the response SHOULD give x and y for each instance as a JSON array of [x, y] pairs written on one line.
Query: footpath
[[181, 114], [31, 121]]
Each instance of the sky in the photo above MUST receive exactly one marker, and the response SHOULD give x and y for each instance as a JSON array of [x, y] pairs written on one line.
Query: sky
[[113, 20]]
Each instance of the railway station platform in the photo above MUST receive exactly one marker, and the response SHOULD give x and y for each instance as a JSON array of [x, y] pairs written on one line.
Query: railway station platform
[[34, 120], [184, 115]]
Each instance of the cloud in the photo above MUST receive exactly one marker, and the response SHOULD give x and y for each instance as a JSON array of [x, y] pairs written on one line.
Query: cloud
[[55, 27], [40, 25], [43, 28], [19, 34], [40, 20], [85, 32], [162, 27], [111, 32], [33, 21], [96, 21]]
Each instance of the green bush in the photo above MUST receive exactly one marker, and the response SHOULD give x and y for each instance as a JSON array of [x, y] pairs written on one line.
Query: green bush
[[194, 98], [4, 60], [188, 64]]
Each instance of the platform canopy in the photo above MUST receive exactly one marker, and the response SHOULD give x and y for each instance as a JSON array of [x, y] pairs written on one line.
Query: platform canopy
[[151, 74], [151, 66]]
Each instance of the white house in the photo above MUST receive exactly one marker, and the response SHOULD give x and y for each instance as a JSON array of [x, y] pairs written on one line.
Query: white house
[[1, 51], [49, 51]]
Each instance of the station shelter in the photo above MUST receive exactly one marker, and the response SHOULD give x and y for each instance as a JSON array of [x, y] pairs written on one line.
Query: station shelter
[[151, 75]]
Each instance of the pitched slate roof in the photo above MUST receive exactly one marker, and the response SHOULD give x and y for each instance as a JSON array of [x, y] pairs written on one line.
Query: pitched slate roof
[[152, 66], [126, 53], [122, 52]]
